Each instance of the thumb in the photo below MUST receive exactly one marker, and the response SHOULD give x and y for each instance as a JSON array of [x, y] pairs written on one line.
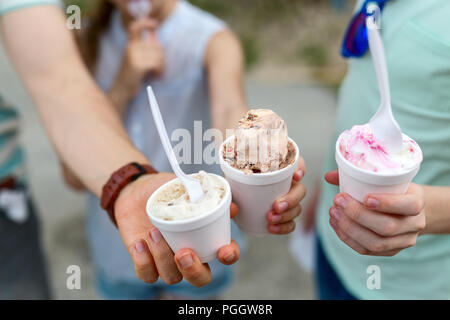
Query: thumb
[[332, 177]]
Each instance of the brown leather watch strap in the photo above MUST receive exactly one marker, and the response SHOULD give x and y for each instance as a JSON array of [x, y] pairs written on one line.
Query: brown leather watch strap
[[119, 180]]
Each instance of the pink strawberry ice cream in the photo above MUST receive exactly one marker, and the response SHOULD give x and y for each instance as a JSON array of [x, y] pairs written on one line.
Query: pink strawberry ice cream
[[362, 149]]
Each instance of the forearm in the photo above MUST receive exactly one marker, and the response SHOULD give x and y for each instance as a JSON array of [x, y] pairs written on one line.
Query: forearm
[[88, 137], [225, 66], [122, 91], [437, 209], [226, 112], [81, 123]]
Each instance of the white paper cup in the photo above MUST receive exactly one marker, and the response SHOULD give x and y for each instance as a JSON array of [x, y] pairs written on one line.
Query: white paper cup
[[358, 183], [204, 234], [255, 193]]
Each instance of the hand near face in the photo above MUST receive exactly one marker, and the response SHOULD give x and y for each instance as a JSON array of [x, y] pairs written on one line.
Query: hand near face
[[143, 55], [383, 225]]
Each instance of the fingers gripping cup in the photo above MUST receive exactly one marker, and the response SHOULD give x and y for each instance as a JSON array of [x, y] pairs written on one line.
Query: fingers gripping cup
[[203, 226], [365, 167]]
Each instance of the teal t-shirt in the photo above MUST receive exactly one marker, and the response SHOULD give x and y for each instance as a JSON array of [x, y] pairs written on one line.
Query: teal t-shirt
[[11, 155], [11, 5], [417, 43]]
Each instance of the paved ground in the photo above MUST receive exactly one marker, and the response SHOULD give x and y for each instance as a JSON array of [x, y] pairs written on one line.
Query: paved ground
[[267, 271]]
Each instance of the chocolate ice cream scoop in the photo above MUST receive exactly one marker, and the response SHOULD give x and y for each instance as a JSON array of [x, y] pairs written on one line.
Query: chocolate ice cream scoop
[[261, 143]]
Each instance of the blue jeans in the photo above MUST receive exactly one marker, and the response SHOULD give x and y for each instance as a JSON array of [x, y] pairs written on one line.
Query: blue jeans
[[120, 290], [329, 286]]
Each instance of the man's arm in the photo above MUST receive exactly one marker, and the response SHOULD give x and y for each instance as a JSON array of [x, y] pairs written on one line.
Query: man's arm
[[224, 62], [87, 132], [84, 128]]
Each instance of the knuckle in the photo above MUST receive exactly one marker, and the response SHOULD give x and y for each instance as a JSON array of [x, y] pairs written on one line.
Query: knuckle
[[389, 229], [353, 214], [377, 247], [387, 202], [412, 242], [363, 251], [344, 226], [421, 224], [291, 226], [418, 205], [342, 236]]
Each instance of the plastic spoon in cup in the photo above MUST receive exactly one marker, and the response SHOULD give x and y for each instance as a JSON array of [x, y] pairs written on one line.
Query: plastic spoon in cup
[[192, 185], [140, 9], [383, 124]]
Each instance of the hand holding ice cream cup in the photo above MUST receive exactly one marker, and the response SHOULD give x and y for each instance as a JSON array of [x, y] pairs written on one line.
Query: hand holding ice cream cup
[[203, 226], [190, 221], [378, 211], [264, 168]]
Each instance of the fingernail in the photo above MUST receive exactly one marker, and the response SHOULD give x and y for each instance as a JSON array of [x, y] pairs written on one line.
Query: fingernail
[[300, 173], [139, 246], [282, 206], [336, 213], [372, 202], [229, 257], [341, 202], [155, 235], [275, 218], [186, 260]]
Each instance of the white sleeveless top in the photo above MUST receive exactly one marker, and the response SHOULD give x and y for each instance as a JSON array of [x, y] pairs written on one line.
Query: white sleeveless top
[[182, 94], [182, 91]]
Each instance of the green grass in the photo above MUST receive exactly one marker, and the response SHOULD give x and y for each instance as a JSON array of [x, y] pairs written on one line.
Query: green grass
[[313, 55], [251, 49], [219, 8], [85, 5]]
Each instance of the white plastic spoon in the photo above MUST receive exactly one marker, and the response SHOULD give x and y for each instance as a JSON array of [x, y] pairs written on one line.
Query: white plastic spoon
[[383, 124], [192, 185], [140, 9]]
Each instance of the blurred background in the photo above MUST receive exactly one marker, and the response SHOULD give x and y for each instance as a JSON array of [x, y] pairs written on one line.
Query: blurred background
[[293, 66]]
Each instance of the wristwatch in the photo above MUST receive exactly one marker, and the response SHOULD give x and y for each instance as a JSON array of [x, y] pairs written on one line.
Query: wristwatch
[[119, 180]]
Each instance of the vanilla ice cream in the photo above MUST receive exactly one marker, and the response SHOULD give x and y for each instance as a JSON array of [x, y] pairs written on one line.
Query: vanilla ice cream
[[260, 143], [172, 203], [362, 149]]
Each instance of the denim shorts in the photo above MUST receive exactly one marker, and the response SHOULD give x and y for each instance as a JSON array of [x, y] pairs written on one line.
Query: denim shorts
[[123, 290]]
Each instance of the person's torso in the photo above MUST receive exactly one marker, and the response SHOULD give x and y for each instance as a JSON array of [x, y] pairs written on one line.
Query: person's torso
[[417, 47], [182, 95]]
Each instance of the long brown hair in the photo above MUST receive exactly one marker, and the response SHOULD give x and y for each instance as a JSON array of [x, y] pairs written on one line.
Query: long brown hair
[[89, 37]]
